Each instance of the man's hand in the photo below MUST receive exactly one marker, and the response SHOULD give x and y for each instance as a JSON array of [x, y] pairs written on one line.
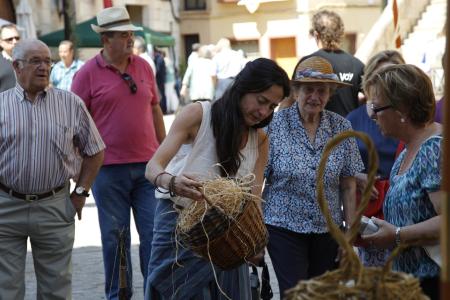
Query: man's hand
[[78, 203]]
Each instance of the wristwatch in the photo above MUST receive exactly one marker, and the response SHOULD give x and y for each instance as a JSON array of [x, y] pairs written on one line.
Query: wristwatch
[[81, 191]]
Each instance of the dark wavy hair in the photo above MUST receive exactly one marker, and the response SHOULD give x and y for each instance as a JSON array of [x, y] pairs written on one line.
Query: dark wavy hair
[[227, 120]]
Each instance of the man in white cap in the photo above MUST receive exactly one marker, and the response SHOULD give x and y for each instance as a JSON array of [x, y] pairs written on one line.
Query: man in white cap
[[119, 90]]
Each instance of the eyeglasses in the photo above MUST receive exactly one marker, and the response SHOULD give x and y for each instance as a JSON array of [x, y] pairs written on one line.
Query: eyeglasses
[[376, 110], [9, 40], [129, 80], [36, 62]]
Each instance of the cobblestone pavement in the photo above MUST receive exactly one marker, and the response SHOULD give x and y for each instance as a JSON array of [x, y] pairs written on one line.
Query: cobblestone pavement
[[88, 276]]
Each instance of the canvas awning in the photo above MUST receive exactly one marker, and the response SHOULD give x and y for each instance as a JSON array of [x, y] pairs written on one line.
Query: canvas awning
[[86, 37]]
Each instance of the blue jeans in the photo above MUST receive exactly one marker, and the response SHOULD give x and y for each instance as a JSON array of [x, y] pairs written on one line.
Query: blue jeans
[[117, 189]]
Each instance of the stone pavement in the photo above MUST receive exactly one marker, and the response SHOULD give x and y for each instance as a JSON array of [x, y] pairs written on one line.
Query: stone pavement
[[88, 264]]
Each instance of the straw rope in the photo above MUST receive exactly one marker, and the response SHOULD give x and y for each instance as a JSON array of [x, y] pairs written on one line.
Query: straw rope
[[352, 280]]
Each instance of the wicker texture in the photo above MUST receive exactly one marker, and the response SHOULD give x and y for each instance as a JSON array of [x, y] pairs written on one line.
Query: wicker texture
[[228, 242], [352, 280]]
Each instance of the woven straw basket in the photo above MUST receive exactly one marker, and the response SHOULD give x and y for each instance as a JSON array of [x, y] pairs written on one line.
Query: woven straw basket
[[227, 242], [352, 280]]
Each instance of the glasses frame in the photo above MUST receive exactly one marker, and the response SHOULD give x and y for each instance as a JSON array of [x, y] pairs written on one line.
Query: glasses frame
[[376, 110], [10, 39], [131, 83], [37, 63]]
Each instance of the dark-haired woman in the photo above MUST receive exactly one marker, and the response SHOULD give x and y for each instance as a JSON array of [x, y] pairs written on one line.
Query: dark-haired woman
[[204, 135]]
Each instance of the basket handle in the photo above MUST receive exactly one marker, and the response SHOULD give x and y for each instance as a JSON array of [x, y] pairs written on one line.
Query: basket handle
[[350, 259]]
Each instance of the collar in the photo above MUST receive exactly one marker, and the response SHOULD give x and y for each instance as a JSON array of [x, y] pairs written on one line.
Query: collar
[[21, 93], [6, 55], [101, 62]]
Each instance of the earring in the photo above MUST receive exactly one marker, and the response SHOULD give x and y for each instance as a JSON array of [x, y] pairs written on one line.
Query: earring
[[402, 120]]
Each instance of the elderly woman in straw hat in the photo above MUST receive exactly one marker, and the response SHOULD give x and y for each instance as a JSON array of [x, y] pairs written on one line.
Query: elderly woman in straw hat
[[403, 106], [299, 245]]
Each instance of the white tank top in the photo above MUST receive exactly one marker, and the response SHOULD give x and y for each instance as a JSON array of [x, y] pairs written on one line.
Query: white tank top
[[200, 158]]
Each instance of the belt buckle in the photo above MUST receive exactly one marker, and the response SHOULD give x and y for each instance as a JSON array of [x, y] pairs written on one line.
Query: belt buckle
[[31, 198]]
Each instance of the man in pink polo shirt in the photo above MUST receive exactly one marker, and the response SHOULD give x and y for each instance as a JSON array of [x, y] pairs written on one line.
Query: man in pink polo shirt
[[120, 93]]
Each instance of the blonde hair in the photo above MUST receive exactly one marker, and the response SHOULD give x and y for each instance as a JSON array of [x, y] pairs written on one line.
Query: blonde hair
[[330, 28], [408, 90]]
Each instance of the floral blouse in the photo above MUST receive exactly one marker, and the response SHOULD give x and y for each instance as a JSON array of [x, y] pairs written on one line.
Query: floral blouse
[[407, 202], [290, 189]]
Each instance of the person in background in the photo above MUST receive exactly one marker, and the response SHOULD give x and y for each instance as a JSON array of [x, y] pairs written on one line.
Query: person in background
[[328, 30], [199, 78], [9, 36], [194, 53], [227, 132], [403, 106], [119, 90], [386, 147], [63, 71], [228, 63], [161, 79], [171, 95], [42, 131], [140, 49], [300, 245]]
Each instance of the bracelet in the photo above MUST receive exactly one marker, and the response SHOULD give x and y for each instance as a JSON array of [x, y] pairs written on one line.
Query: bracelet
[[397, 236], [155, 182], [172, 186]]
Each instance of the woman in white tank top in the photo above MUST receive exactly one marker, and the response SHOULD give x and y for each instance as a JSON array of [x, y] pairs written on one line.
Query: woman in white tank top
[[227, 132]]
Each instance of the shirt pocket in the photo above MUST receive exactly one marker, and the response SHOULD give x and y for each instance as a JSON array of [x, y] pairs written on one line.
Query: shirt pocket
[[62, 137]]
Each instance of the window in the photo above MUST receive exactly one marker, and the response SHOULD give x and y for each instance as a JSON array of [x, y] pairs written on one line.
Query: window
[[194, 4]]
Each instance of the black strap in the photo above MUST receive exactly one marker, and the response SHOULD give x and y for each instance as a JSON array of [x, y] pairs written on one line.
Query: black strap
[[266, 289]]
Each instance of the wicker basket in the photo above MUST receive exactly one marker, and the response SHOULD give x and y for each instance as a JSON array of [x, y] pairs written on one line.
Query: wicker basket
[[352, 280], [226, 242]]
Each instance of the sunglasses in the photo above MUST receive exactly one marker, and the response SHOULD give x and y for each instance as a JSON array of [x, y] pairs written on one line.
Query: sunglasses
[[378, 109], [129, 80], [9, 40]]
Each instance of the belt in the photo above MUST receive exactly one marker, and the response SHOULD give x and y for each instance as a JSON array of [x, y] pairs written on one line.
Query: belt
[[30, 197]]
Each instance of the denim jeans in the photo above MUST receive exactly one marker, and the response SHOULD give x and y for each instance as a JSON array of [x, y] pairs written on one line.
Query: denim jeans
[[117, 189]]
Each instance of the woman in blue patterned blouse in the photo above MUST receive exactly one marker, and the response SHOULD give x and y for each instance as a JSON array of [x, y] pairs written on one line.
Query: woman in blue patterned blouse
[[403, 106], [300, 246]]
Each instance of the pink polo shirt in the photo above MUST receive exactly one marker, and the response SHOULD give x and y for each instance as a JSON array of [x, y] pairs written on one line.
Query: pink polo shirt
[[125, 120]]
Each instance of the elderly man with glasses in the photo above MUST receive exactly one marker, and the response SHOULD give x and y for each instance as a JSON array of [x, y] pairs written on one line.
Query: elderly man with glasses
[[9, 36], [119, 90], [43, 131]]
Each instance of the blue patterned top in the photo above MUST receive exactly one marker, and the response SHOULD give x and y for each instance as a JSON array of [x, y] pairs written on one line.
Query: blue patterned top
[[290, 190], [407, 202], [61, 77]]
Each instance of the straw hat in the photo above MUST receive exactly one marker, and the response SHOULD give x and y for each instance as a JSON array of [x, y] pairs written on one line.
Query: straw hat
[[114, 19], [317, 69]]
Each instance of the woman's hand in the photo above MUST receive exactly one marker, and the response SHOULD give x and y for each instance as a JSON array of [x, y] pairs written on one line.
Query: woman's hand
[[361, 183], [187, 186], [384, 238]]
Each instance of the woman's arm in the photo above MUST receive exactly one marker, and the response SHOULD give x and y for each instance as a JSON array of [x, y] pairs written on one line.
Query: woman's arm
[[263, 152], [347, 187], [420, 234], [183, 130]]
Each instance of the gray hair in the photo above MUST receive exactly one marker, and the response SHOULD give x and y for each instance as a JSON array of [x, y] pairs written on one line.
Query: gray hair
[[139, 43], [21, 48]]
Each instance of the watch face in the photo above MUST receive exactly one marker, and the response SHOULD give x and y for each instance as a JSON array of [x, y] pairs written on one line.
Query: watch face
[[79, 190]]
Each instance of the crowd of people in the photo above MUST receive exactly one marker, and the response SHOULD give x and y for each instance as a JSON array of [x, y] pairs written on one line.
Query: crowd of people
[[100, 123]]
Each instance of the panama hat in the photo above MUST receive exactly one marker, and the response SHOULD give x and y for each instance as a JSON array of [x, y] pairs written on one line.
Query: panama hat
[[316, 69], [114, 19]]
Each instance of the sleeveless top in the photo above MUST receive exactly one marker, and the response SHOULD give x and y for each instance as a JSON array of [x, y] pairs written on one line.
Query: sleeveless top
[[200, 158]]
